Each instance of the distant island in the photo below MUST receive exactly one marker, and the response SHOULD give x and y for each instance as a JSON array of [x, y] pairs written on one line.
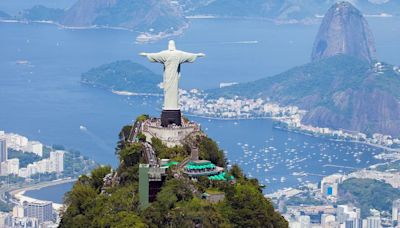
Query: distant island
[[124, 76]]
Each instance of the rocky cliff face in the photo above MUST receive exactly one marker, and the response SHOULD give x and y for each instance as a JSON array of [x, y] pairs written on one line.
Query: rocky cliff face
[[361, 110], [157, 15], [344, 31], [343, 88], [84, 12]]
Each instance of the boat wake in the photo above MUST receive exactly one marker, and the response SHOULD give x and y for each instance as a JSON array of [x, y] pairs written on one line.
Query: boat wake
[[242, 42]]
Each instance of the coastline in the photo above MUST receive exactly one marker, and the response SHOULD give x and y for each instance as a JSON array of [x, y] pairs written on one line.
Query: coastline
[[277, 119], [18, 194], [141, 37]]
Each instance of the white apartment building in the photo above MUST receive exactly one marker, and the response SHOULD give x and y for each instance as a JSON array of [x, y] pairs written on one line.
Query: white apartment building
[[49, 165], [10, 166], [42, 211], [348, 214], [374, 222], [328, 221], [396, 210], [18, 211], [34, 147], [329, 184], [57, 161], [21, 143]]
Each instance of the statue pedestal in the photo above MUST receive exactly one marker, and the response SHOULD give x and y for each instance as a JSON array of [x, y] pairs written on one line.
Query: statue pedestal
[[169, 117], [170, 136]]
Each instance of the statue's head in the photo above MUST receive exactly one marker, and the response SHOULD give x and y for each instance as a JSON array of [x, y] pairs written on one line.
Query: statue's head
[[171, 45]]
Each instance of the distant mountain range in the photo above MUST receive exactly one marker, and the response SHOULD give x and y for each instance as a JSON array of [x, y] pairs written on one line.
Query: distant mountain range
[[166, 15], [344, 87], [281, 9], [142, 15], [4, 15], [153, 16]]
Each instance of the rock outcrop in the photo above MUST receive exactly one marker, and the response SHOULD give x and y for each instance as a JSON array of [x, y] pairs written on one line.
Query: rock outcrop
[[344, 30], [83, 13], [344, 87]]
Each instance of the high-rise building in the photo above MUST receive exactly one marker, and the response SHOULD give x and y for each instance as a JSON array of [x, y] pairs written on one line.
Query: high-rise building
[[43, 210], [44, 166], [13, 166], [35, 147], [3, 150], [57, 160], [328, 221], [374, 222], [305, 221], [3, 219], [329, 184], [10, 166], [18, 211], [348, 212], [353, 223], [396, 210]]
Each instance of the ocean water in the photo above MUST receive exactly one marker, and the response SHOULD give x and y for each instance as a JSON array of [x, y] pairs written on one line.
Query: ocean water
[[54, 193], [45, 100]]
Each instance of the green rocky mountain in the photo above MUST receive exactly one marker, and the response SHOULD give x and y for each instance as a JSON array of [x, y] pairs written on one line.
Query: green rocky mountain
[[340, 92], [112, 198], [123, 75], [368, 194], [344, 87], [42, 13], [141, 15], [344, 31]]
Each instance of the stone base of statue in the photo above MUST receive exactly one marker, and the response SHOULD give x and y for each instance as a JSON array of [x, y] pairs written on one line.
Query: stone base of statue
[[169, 117], [171, 135]]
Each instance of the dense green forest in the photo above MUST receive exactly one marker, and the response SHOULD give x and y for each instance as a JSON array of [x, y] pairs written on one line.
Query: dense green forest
[[91, 203], [368, 194], [123, 76], [42, 13]]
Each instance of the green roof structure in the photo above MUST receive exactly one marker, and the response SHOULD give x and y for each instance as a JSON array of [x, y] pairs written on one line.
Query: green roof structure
[[169, 164], [220, 177], [200, 165]]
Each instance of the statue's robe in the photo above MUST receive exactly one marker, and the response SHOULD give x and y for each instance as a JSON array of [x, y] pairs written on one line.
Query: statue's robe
[[172, 61]]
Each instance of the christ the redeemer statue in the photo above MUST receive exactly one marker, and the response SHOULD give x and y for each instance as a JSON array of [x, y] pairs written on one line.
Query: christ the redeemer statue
[[172, 60]]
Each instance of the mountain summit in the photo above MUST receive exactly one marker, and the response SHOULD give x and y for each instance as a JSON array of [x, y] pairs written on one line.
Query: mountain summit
[[344, 87], [344, 30]]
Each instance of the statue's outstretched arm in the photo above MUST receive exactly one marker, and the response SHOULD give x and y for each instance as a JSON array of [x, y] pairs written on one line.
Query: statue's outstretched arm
[[154, 57], [190, 57]]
